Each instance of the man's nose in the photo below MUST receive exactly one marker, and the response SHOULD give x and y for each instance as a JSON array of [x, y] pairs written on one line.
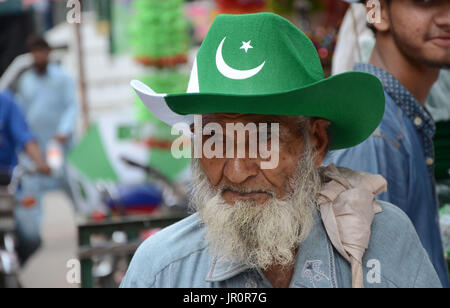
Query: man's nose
[[442, 19], [237, 170]]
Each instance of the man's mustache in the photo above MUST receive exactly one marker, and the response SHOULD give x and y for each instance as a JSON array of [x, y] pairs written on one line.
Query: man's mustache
[[244, 190]]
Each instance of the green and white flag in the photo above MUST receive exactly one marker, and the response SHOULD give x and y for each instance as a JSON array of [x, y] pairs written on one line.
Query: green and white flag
[[95, 163]]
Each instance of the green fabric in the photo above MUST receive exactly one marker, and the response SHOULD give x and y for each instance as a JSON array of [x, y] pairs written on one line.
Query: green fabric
[[442, 170], [443, 142], [291, 59], [90, 158], [291, 81], [443, 128], [172, 166]]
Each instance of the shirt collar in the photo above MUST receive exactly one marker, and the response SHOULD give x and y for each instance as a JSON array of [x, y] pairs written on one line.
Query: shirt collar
[[314, 264], [49, 71], [403, 98]]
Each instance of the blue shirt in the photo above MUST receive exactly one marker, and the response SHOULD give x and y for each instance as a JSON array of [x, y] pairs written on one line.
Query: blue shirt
[[48, 102], [401, 150], [14, 133], [178, 256]]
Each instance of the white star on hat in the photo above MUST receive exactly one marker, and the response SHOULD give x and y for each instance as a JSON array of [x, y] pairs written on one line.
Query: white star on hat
[[246, 46]]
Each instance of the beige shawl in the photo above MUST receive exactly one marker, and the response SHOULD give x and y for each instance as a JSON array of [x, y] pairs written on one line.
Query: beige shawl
[[347, 206]]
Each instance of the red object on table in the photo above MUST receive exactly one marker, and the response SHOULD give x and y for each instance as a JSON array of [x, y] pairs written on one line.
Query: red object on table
[[138, 210], [98, 216]]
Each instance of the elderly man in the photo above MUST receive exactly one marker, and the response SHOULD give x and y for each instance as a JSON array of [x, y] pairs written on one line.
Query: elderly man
[[291, 223]]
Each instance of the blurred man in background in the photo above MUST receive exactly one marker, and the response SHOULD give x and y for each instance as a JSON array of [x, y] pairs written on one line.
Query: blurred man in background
[[47, 96], [15, 137], [412, 45]]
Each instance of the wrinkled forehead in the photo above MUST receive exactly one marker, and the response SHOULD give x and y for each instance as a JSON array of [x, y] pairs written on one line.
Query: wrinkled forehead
[[287, 126]]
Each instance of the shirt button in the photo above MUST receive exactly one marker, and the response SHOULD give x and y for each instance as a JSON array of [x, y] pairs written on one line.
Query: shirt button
[[418, 121], [430, 161]]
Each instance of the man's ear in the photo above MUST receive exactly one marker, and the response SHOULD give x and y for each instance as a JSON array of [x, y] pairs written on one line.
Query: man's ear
[[380, 10], [318, 134]]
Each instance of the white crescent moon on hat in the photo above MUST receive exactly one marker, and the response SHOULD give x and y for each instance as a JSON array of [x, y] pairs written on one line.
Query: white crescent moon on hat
[[230, 72]]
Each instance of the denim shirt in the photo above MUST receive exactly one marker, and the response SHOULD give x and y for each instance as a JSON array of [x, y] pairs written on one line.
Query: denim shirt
[[178, 256], [401, 150]]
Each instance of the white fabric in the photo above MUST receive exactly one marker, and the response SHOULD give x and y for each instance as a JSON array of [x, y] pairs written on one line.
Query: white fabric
[[194, 86], [156, 104], [355, 42]]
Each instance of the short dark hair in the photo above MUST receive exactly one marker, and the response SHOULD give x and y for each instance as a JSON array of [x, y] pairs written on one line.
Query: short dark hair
[[37, 43]]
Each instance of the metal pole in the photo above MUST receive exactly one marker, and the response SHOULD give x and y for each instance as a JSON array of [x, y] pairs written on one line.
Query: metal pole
[[81, 76]]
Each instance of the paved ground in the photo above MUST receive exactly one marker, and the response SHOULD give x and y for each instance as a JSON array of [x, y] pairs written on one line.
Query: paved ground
[[48, 267]]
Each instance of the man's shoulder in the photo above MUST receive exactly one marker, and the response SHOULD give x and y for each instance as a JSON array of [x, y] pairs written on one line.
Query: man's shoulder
[[391, 131], [393, 114], [392, 226], [391, 213], [172, 244], [394, 243]]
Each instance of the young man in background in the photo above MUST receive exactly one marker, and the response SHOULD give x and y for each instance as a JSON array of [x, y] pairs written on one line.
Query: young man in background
[[412, 46]]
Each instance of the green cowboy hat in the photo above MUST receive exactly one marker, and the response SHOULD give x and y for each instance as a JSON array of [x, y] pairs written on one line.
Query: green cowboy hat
[[262, 64]]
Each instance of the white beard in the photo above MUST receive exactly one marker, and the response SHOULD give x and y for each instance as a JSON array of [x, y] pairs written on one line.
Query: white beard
[[258, 235]]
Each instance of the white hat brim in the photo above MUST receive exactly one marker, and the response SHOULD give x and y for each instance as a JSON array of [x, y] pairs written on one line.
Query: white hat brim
[[157, 105]]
